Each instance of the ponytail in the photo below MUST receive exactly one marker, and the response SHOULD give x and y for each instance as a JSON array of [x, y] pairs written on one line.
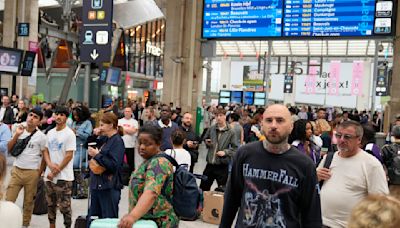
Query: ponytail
[[120, 130]]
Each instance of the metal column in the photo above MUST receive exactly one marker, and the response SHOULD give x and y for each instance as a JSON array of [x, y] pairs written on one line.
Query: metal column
[[208, 82], [373, 92], [267, 71], [86, 85]]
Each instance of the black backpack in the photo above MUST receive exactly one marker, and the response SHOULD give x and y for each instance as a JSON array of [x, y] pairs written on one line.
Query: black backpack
[[391, 159], [327, 164], [186, 193]]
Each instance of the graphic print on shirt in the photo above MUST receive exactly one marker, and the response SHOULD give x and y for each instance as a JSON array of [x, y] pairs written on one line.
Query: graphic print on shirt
[[263, 209], [54, 145]]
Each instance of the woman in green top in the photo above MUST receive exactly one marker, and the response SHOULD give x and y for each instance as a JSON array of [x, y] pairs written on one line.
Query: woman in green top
[[147, 192]]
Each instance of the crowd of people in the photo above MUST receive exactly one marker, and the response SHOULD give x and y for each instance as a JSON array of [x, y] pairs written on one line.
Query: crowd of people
[[277, 166]]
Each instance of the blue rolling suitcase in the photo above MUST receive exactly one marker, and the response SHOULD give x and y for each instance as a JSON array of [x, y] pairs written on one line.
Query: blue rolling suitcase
[[113, 223]]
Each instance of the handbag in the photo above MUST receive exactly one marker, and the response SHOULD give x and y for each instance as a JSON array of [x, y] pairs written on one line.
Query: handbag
[[95, 167], [21, 144]]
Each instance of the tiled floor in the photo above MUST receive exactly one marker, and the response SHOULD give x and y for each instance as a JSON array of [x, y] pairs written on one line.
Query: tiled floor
[[79, 207]]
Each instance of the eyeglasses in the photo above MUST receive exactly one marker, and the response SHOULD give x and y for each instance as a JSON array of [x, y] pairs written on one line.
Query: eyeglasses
[[345, 136]]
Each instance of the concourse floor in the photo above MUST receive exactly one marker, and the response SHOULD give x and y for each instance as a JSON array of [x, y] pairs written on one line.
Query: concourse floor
[[79, 207]]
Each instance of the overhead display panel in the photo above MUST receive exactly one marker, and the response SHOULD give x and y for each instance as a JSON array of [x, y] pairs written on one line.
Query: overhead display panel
[[329, 17], [283, 19], [242, 18]]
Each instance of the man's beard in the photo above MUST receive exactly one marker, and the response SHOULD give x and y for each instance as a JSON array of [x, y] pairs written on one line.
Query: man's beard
[[277, 140], [187, 126], [343, 149]]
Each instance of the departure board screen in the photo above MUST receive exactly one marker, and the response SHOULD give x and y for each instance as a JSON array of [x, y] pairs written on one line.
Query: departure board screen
[[329, 18], [242, 18], [297, 18]]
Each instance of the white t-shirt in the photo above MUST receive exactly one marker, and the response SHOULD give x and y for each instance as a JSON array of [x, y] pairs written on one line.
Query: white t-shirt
[[31, 157], [58, 143], [352, 179], [10, 215], [129, 140], [2, 112], [181, 156]]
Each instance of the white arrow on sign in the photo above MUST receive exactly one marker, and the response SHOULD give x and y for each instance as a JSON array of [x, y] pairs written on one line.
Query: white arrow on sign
[[94, 54]]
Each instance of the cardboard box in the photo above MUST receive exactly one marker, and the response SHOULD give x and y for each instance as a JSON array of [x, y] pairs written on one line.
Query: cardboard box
[[213, 204]]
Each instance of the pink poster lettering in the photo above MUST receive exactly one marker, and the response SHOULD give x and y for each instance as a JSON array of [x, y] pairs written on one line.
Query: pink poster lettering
[[334, 77], [356, 82], [311, 78]]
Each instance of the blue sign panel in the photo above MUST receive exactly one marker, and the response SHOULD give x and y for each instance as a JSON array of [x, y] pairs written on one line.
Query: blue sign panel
[[329, 18], [242, 18], [23, 29], [96, 35], [297, 18], [27, 63]]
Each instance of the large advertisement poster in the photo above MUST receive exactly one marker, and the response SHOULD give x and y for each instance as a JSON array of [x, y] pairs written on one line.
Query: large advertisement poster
[[314, 90], [252, 79]]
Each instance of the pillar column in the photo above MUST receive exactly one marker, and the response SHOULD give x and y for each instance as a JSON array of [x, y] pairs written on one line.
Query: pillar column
[[394, 103], [182, 62], [18, 11]]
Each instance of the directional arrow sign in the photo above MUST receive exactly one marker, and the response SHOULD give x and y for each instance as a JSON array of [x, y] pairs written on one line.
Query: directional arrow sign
[[96, 34], [94, 54]]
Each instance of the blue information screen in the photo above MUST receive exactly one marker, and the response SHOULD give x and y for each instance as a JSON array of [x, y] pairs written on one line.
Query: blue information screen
[[328, 18], [242, 18], [297, 18]]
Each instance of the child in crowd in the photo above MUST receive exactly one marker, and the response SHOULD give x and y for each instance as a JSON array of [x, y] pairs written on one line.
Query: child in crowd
[[181, 155]]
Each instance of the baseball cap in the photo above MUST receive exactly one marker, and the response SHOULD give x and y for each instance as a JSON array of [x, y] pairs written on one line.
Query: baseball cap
[[61, 110]]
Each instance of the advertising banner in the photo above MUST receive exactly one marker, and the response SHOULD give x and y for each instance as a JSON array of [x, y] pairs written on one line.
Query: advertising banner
[[356, 82], [334, 78]]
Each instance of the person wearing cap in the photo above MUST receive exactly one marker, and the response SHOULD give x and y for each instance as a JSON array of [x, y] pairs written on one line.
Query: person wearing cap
[[29, 165], [391, 160], [178, 118], [59, 174]]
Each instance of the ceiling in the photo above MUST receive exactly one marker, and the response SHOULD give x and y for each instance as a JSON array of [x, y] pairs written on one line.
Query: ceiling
[[47, 3], [345, 48]]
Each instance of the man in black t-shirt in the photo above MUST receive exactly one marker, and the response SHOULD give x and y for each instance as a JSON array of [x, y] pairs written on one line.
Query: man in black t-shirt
[[272, 184]]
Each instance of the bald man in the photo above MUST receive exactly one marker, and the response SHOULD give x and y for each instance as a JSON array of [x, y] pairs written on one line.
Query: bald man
[[272, 184]]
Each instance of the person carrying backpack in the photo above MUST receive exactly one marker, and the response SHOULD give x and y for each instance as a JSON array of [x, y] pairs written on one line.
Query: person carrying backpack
[[151, 184], [391, 160]]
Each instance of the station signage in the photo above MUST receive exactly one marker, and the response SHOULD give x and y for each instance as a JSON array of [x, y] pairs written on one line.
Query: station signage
[[382, 80], [96, 34], [23, 29], [297, 18]]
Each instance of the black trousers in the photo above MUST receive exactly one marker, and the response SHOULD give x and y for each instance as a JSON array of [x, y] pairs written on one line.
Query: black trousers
[[214, 172], [191, 166], [130, 157]]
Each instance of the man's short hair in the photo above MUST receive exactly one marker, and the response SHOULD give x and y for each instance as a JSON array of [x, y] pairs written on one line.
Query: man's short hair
[[234, 116], [321, 109], [37, 112], [220, 111], [396, 131], [350, 123], [62, 110]]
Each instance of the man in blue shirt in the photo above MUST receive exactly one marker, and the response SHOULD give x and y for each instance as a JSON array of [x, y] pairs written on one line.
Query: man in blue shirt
[[5, 136]]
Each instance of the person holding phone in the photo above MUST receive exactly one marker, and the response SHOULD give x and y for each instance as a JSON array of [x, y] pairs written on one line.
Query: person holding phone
[[222, 145], [105, 187], [192, 140]]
